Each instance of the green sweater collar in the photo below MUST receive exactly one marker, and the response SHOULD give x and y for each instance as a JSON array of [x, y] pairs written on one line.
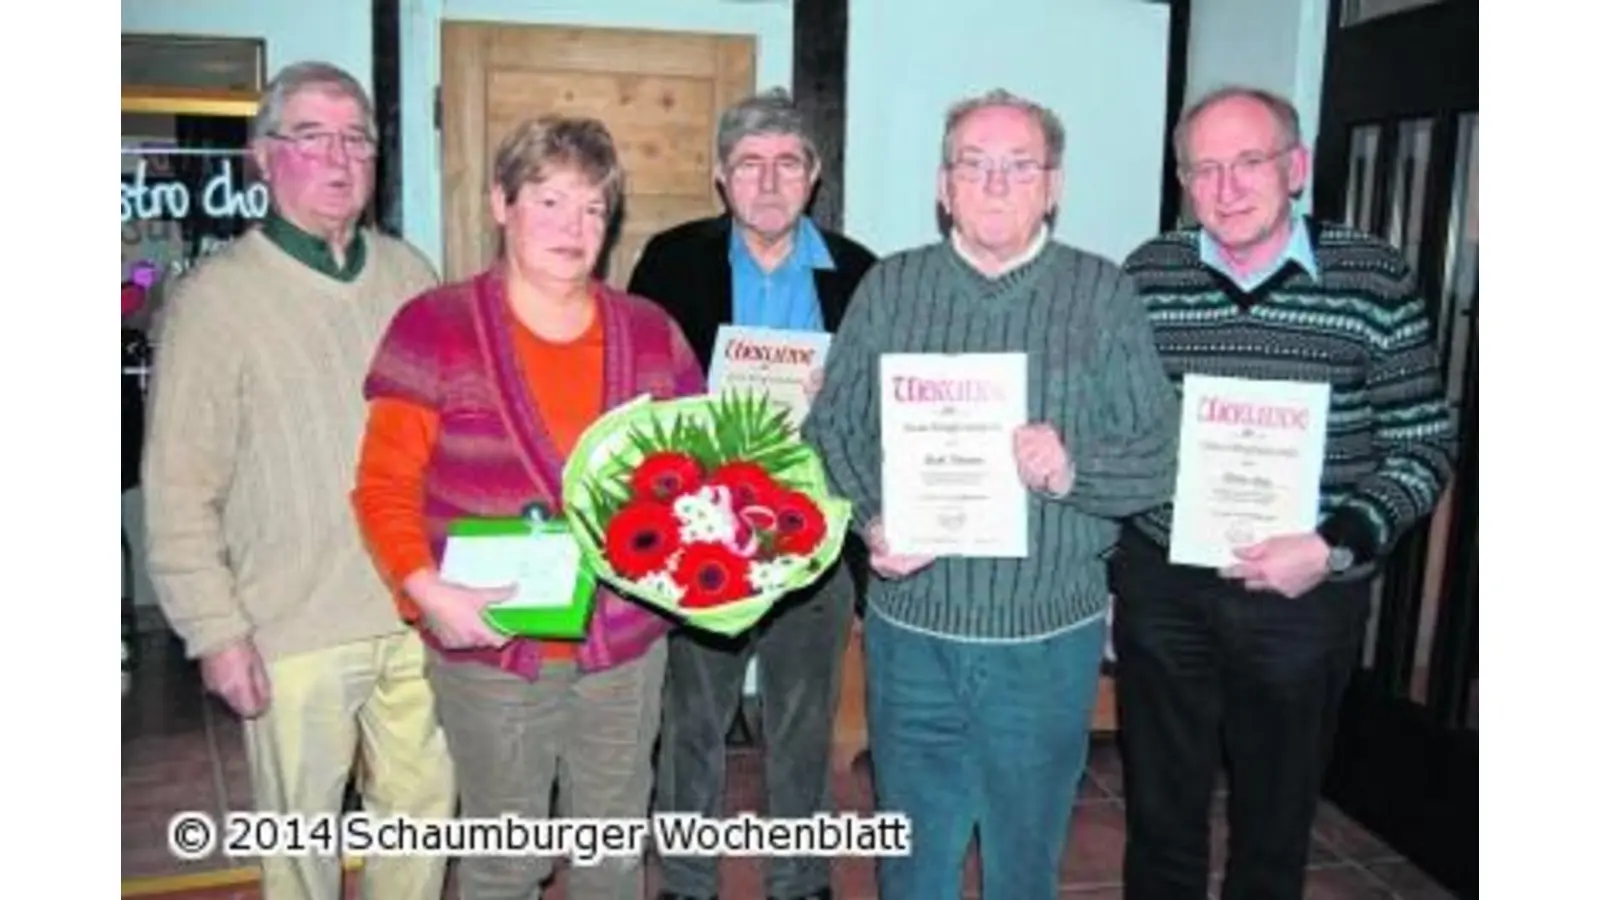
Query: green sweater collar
[[314, 251]]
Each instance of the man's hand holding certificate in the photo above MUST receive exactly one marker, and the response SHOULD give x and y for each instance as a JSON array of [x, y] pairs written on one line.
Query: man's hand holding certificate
[[1249, 480], [885, 561], [1289, 565], [1042, 459]]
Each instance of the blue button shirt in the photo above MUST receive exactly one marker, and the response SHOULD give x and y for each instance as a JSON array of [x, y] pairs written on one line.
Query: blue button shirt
[[1298, 250], [786, 297]]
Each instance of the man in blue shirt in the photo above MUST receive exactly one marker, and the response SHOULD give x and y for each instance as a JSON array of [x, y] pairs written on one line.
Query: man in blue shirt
[[763, 263]]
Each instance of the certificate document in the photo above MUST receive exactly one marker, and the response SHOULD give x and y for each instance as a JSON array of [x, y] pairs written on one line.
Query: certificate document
[[950, 481], [1250, 458], [770, 361]]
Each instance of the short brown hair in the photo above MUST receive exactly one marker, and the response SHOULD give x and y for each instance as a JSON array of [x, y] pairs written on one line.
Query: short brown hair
[[535, 146]]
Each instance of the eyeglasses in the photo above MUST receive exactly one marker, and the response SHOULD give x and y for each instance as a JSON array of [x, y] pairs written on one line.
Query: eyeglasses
[[977, 169], [321, 143], [1245, 167], [751, 169]]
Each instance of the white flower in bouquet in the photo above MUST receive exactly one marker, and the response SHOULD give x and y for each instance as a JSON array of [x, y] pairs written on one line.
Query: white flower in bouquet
[[706, 516], [774, 574], [662, 583]]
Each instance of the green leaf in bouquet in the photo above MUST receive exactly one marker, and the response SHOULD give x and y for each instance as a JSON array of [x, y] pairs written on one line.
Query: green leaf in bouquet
[[607, 494], [586, 528], [749, 426], [701, 443]]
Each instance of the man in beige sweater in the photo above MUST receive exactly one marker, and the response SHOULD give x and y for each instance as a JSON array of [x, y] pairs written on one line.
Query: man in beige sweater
[[255, 424]]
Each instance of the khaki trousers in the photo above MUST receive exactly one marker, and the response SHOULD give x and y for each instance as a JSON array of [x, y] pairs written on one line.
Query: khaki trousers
[[370, 697]]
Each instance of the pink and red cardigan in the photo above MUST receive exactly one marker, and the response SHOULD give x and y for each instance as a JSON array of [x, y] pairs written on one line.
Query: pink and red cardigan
[[451, 350]]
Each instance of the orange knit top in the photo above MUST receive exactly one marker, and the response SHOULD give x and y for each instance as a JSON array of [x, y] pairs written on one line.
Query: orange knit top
[[400, 437]]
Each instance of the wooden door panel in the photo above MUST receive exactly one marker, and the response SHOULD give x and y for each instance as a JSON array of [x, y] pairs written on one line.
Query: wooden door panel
[[649, 156], [645, 99], [659, 93], [657, 212], [614, 50]]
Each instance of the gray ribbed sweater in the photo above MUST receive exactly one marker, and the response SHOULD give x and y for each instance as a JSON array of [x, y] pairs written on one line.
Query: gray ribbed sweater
[[1093, 373]]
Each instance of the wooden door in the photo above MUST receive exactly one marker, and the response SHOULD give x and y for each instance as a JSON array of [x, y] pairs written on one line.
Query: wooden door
[[658, 92], [1397, 156]]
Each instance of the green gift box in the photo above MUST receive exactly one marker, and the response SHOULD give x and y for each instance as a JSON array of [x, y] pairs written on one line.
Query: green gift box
[[555, 585]]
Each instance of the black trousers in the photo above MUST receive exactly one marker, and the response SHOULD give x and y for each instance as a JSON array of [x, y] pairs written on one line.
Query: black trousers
[[1209, 673], [798, 648]]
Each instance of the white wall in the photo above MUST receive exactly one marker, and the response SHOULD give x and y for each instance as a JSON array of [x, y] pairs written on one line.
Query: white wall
[[1100, 64], [770, 21], [1273, 44]]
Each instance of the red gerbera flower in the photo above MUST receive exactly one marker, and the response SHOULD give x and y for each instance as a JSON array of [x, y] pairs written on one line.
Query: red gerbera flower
[[640, 538], [747, 483], [663, 476], [800, 524], [712, 575]]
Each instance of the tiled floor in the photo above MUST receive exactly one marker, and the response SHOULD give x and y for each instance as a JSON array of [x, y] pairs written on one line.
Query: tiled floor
[[181, 751]]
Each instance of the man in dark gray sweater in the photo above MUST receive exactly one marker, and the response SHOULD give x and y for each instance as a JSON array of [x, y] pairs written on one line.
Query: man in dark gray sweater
[[982, 672]]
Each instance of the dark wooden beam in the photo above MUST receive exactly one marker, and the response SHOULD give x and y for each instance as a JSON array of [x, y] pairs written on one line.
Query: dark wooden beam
[[1177, 86], [821, 28], [386, 207]]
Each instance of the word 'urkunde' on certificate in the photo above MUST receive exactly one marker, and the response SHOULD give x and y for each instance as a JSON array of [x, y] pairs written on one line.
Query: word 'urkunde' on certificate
[[1250, 459], [770, 361], [950, 482]]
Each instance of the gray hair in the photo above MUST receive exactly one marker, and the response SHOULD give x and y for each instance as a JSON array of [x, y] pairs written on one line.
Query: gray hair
[[1055, 136], [1283, 113], [297, 77], [772, 111], [533, 148]]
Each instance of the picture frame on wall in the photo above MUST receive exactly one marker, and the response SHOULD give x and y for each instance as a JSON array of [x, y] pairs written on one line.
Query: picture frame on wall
[[192, 75]]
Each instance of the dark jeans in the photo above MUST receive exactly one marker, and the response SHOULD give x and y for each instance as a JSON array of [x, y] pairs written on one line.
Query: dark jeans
[[798, 650], [1206, 667], [985, 736]]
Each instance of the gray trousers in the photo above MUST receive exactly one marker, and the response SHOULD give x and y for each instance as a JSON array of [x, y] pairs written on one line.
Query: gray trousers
[[798, 649], [512, 740]]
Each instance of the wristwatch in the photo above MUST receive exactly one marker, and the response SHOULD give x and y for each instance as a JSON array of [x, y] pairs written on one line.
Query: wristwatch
[[1340, 559]]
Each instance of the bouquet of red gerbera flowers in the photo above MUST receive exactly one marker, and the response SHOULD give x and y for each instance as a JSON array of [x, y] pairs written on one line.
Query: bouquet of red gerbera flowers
[[710, 507]]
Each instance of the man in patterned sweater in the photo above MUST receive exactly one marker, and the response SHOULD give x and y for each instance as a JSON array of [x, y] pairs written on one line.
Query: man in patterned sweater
[[1254, 658]]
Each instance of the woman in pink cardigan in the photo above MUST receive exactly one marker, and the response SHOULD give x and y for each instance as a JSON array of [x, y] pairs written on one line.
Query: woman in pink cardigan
[[478, 393]]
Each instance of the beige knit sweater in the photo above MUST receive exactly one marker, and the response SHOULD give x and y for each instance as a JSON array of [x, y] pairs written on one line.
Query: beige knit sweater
[[255, 425]]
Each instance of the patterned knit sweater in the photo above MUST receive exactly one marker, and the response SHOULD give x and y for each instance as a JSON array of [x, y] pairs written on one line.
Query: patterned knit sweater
[[452, 351], [1093, 373], [1359, 326]]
